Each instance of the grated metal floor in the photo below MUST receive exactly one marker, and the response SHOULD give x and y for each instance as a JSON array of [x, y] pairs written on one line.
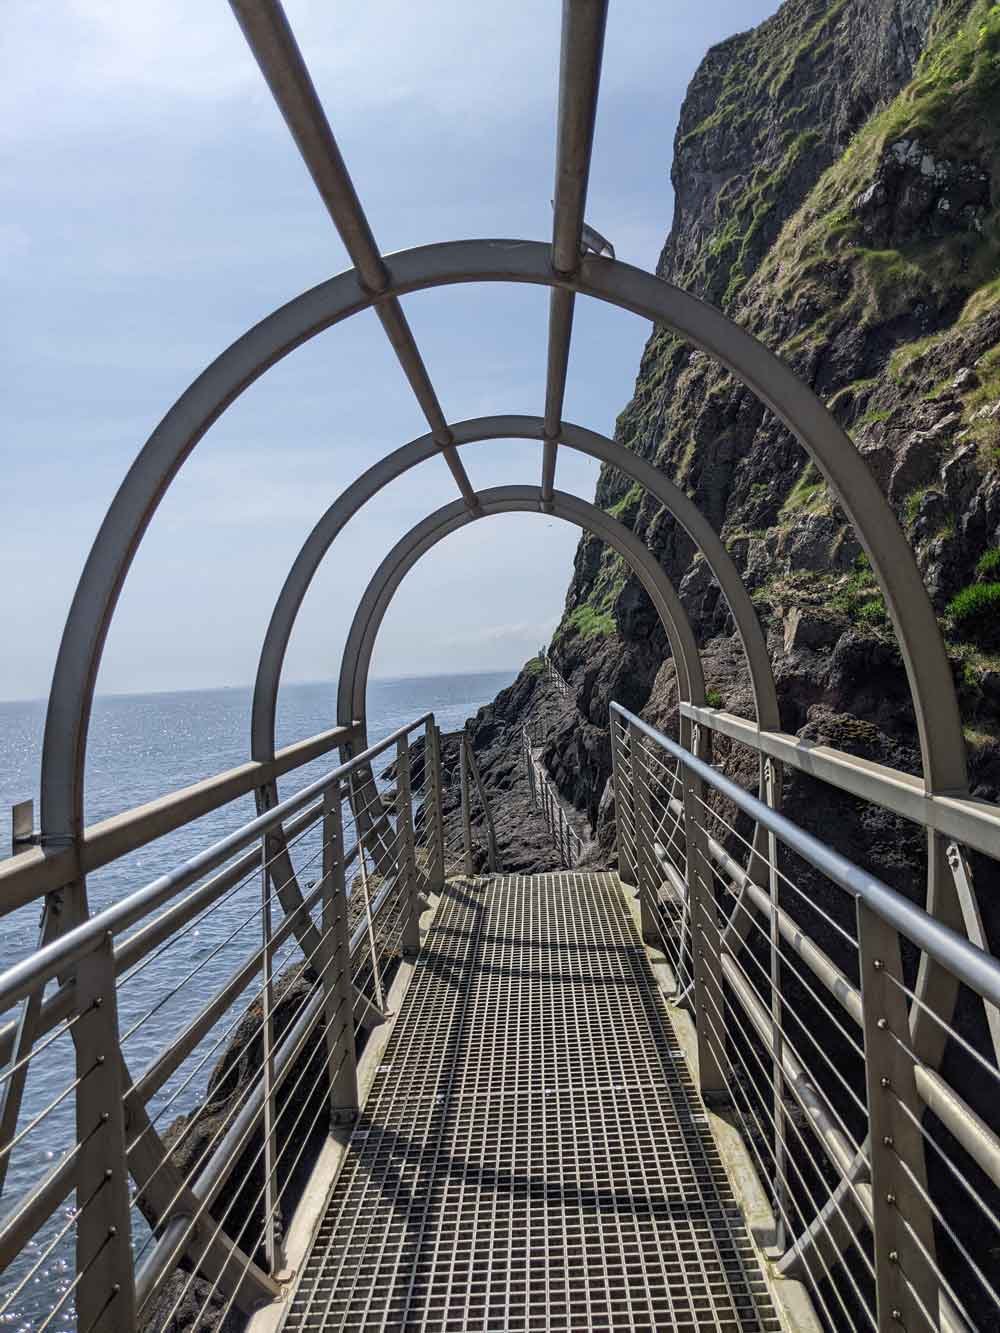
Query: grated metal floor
[[533, 1154]]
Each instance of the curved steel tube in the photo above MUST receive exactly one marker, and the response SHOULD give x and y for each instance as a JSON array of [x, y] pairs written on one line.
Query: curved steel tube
[[504, 500], [941, 739], [394, 465]]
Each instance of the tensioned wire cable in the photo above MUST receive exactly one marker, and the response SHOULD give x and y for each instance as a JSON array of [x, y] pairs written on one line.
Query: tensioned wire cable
[[207, 1055], [799, 966], [234, 1109], [767, 1074], [817, 1208], [826, 1008], [828, 1106], [808, 1150], [181, 1243], [237, 1106]]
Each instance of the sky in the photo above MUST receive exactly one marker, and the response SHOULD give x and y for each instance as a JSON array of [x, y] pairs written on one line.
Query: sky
[[152, 207]]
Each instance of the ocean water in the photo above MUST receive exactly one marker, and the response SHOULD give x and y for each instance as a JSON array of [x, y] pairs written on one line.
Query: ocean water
[[141, 747]]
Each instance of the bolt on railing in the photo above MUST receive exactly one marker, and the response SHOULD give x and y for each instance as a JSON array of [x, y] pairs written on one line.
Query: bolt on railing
[[294, 976], [801, 975]]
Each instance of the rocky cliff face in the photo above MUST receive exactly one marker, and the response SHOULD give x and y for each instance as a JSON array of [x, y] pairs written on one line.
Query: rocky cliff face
[[837, 176]]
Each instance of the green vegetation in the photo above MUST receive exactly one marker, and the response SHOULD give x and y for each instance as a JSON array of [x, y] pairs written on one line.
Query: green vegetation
[[745, 211], [590, 624], [534, 666], [713, 698], [820, 262], [909, 355], [988, 566], [859, 596], [912, 506], [975, 612], [627, 507], [873, 613], [873, 417], [809, 493]]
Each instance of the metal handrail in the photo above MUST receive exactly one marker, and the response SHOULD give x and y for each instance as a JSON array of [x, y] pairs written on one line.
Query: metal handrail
[[24, 977], [978, 969], [800, 1084], [29, 874]]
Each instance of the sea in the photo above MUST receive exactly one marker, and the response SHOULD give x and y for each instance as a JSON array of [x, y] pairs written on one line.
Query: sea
[[142, 746]]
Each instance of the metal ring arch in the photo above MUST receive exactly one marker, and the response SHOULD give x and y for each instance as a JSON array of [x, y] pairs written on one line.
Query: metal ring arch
[[64, 751]]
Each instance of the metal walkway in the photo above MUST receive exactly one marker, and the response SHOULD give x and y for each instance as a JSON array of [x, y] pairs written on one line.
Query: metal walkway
[[533, 1153]]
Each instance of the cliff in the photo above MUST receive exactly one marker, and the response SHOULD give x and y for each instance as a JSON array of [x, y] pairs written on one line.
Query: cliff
[[836, 173]]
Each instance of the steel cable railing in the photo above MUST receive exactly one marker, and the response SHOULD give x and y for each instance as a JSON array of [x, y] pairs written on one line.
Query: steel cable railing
[[547, 801], [873, 1149], [275, 1029]]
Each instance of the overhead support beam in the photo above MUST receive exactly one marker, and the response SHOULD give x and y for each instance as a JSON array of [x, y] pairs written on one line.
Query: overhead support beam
[[276, 51], [582, 47]]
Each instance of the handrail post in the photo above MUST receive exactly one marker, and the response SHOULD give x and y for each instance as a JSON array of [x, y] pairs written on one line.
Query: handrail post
[[338, 993], [272, 1245], [406, 859], [647, 871], [105, 1292], [777, 1021], [709, 1003], [905, 1264], [530, 765], [466, 804], [435, 791], [626, 861]]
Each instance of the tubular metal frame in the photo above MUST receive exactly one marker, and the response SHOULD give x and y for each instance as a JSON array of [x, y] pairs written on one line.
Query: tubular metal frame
[[883, 1185], [57, 869]]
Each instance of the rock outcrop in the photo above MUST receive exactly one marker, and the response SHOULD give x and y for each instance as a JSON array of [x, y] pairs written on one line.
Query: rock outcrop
[[837, 178]]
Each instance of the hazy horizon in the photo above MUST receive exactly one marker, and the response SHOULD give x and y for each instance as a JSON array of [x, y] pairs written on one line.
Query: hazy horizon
[[285, 684]]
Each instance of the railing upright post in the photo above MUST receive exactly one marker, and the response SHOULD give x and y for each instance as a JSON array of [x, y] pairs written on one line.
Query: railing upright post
[[272, 1246], [647, 871], [706, 942], [905, 1264], [338, 991], [406, 857], [777, 1022], [435, 791], [105, 1291], [626, 861], [466, 804], [530, 764]]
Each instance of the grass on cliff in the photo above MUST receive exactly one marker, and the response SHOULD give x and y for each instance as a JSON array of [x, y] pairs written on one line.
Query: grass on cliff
[[809, 494], [820, 259], [975, 612], [588, 623]]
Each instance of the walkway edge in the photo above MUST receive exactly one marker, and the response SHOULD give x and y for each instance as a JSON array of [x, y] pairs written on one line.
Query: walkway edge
[[791, 1299], [323, 1181]]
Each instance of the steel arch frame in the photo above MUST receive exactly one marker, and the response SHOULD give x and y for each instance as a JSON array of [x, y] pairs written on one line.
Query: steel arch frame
[[503, 500], [394, 465], [81, 648], [939, 727]]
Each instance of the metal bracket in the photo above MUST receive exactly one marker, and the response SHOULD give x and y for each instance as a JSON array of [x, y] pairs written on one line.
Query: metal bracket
[[22, 827], [371, 1016]]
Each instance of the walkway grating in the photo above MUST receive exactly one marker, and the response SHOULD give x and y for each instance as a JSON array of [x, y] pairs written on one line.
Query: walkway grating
[[533, 1154]]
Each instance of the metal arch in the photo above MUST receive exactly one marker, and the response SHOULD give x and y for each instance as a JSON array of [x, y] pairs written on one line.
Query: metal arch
[[504, 500], [64, 750], [393, 465]]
